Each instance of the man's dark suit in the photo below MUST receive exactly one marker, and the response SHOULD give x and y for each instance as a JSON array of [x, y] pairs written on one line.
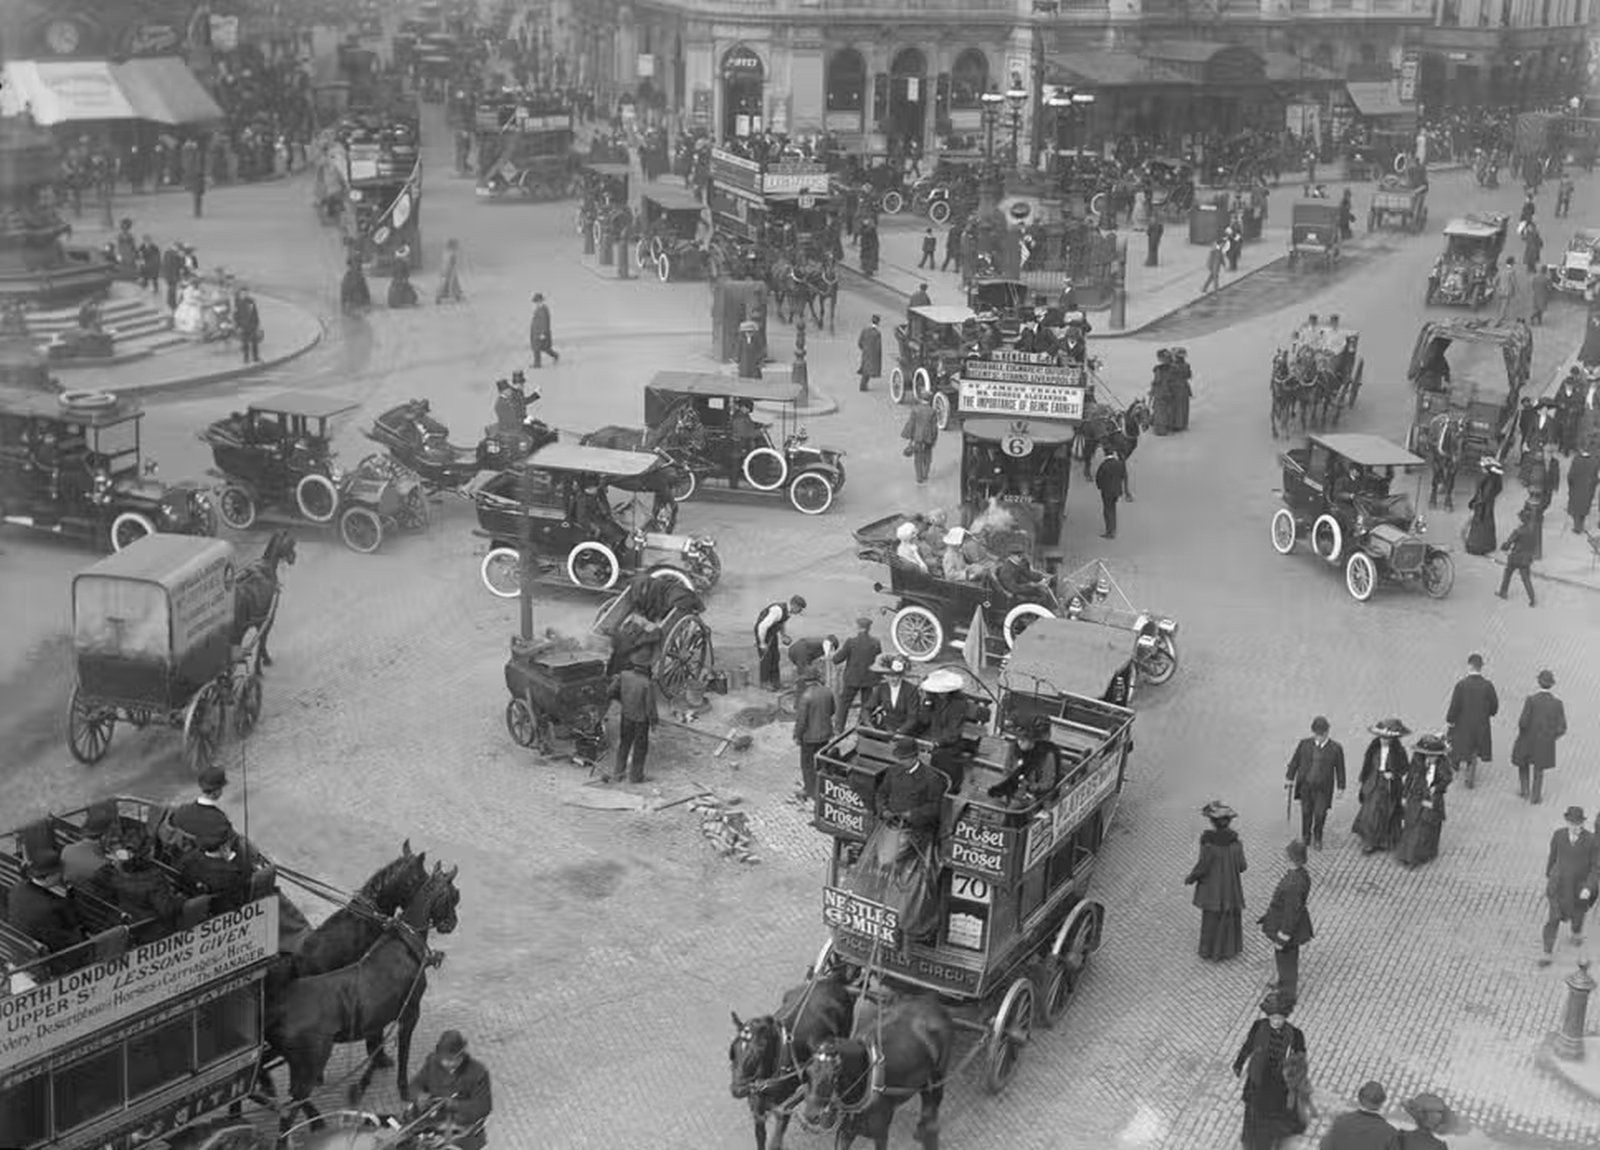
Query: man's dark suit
[[1287, 925], [1472, 704], [896, 711], [857, 653], [1360, 1130], [1570, 870], [1316, 772], [1543, 721]]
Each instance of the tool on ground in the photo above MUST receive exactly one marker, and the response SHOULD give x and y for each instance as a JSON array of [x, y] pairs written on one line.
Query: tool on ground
[[738, 740]]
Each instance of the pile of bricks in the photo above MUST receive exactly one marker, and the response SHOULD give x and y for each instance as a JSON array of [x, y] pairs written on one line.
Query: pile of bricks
[[725, 828]]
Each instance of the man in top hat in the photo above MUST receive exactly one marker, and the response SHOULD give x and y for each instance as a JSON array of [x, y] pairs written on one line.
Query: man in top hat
[[893, 701], [1287, 921], [1315, 772], [540, 339], [814, 708], [1365, 1127], [459, 1085], [635, 692], [203, 814], [39, 908], [1542, 722], [859, 655], [1473, 703], [1571, 877]]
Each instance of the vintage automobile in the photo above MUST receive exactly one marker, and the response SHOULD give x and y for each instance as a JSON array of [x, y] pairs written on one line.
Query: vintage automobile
[[670, 243], [558, 501], [931, 346], [1396, 204], [1055, 658], [72, 464], [275, 455], [420, 443], [1464, 273], [1091, 595], [705, 425], [1578, 273], [1314, 231], [1336, 493]]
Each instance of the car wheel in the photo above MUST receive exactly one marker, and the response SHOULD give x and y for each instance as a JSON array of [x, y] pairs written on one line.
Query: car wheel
[[361, 529], [765, 469], [917, 633], [939, 211], [237, 507], [683, 487], [501, 572], [811, 493], [1158, 663], [593, 566], [942, 413], [1360, 576], [1438, 574], [317, 498], [128, 526], [1020, 618], [664, 268], [897, 385], [892, 202], [1327, 539], [1284, 531], [921, 383]]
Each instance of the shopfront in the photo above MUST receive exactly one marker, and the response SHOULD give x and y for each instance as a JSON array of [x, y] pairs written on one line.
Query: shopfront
[[744, 79]]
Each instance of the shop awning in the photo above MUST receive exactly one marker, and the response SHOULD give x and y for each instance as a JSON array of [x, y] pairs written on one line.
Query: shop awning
[[1287, 68], [1109, 70], [1377, 98], [64, 91], [162, 89]]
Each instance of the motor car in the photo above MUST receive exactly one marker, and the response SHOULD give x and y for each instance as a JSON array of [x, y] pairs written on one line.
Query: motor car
[[930, 348], [1463, 275], [1578, 273]]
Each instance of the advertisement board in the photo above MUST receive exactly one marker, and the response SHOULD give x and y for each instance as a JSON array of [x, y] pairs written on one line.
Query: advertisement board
[[1054, 826], [1019, 397], [856, 915]]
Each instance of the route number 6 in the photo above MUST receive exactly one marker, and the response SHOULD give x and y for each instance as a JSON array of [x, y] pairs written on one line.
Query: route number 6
[[1017, 446], [964, 886]]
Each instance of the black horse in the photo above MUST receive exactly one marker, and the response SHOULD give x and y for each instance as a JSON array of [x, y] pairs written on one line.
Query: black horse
[[385, 986], [1105, 428], [768, 1054], [1444, 444], [256, 589], [913, 1040]]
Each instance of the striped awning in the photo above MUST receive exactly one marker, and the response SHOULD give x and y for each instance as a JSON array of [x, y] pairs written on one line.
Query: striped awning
[[64, 91]]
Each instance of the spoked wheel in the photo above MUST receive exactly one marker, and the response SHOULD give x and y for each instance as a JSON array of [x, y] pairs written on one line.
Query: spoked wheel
[[246, 705], [892, 202], [1438, 574], [811, 493], [897, 385], [501, 572], [942, 412], [317, 498], [685, 654], [1008, 1034], [1327, 539], [766, 469], [1284, 531], [1052, 989], [203, 724], [1020, 618], [683, 486], [413, 513], [939, 211], [1360, 576], [593, 566], [361, 529], [917, 633], [89, 729], [237, 507], [1157, 664], [521, 723], [128, 527]]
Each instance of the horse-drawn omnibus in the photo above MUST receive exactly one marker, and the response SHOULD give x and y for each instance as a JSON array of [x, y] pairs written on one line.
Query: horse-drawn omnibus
[[525, 148], [1468, 376], [381, 164], [784, 207]]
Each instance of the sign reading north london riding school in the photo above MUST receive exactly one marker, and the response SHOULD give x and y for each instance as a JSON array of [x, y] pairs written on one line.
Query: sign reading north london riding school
[[53, 1014]]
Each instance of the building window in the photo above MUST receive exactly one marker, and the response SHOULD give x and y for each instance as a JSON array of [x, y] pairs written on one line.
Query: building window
[[1505, 13], [1322, 54], [847, 81], [1449, 13], [969, 79]]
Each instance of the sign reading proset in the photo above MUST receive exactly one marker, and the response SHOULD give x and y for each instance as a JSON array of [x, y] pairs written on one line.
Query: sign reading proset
[[840, 809], [52, 1014], [859, 916], [1022, 398]]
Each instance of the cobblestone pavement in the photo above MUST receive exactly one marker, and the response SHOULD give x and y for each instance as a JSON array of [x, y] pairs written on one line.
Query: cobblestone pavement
[[600, 950]]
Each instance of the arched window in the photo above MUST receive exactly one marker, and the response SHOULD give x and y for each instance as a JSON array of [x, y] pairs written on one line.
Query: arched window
[[847, 81], [969, 79]]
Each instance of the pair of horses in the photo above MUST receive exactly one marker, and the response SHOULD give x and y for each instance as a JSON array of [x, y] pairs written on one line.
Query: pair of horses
[[842, 1069], [1308, 385], [360, 972], [804, 288]]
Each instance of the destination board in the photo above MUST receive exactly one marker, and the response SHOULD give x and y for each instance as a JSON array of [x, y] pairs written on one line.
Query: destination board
[[1022, 400], [808, 179], [1047, 373], [1011, 355]]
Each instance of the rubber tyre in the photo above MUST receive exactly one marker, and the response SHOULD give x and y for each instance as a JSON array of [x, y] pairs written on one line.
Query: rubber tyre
[[664, 268], [776, 457], [1014, 625], [236, 507], [599, 551], [939, 211], [1360, 576], [641, 254], [520, 723], [326, 494], [1166, 668], [921, 382], [493, 572], [1328, 525], [129, 526], [361, 530], [943, 414], [897, 385], [892, 202], [917, 633], [1285, 532], [1437, 586], [89, 729], [683, 490], [677, 576], [811, 493]]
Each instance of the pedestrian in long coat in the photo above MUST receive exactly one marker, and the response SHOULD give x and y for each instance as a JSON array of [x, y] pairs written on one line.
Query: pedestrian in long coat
[[1532, 247], [1161, 413], [750, 350], [1270, 1115], [870, 344], [1569, 411], [1382, 787], [1481, 530], [1218, 889], [921, 432], [1473, 703], [1429, 778], [1571, 877], [1538, 295], [1542, 722], [1182, 386], [813, 727], [1287, 922], [1582, 476]]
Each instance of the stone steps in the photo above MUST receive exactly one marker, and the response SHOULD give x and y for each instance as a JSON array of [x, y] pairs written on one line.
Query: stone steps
[[137, 320]]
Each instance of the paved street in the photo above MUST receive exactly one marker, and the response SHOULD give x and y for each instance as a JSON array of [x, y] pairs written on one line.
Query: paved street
[[600, 951]]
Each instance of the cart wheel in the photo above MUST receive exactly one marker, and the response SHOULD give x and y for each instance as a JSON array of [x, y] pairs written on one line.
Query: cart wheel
[[203, 723], [681, 578], [1008, 1034], [89, 729], [897, 385], [921, 382], [766, 469], [501, 572], [939, 211], [129, 526], [811, 493], [1052, 989], [1020, 618], [361, 529], [941, 410], [892, 202], [1438, 574], [1327, 539], [413, 514], [683, 486], [917, 633], [1285, 532], [1360, 576], [685, 654], [246, 705], [1160, 662], [593, 566], [664, 268], [317, 498], [236, 506], [521, 724]]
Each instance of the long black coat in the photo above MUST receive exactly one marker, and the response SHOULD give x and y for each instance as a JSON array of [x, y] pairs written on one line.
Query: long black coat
[[1215, 875], [871, 344], [1472, 704], [1571, 868], [1543, 721], [1287, 916], [1311, 775]]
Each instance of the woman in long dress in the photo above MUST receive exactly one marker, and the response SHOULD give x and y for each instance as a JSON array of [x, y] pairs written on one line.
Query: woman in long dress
[[1481, 534], [188, 318], [1383, 774], [1270, 1114], [1218, 890], [1425, 787]]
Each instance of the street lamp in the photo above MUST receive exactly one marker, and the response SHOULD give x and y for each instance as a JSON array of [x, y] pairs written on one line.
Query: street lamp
[[1017, 99], [991, 101], [1059, 101]]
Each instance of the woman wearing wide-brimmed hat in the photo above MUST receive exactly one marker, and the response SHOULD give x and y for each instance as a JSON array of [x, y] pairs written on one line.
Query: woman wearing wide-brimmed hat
[[1425, 787], [1218, 889], [1270, 1113], [1481, 532], [1433, 1117], [1382, 787]]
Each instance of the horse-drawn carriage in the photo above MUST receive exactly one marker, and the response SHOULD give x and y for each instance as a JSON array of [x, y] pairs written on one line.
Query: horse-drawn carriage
[[1468, 377], [1314, 231], [602, 198], [670, 242], [1396, 203], [420, 444], [1317, 376], [155, 642]]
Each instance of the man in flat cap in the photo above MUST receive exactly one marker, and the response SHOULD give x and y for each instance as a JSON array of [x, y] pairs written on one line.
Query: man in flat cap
[[458, 1085]]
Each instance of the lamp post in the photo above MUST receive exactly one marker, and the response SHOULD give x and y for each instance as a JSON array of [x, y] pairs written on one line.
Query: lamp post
[[1059, 101], [1017, 99], [991, 101]]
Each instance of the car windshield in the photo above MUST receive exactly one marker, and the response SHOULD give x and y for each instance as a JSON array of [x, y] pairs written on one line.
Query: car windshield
[[1468, 248]]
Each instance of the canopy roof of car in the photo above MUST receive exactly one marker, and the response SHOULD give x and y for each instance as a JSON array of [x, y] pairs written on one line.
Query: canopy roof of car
[[1066, 656], [1318, 210], [1585, 238], [561, 456], [1478, 226], [39, 405], [1368, 450], [160, 558], [307, 403], [943, 314], [710, 384], [672, 200]]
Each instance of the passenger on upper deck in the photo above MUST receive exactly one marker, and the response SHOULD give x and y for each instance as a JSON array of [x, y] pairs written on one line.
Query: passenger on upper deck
[[941, 717], [204, 815], [216, 868], [40, 908], [141, 888], [84, 861], [908, 794], [1035, 765]]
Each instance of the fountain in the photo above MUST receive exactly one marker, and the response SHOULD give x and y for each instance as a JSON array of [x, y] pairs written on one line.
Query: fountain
[[36, 268]]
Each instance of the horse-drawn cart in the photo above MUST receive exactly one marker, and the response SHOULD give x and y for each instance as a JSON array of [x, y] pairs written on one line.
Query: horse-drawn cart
[[1314, 231], [1468, 376], [1396, 204], [661, 616], [1317, 376]]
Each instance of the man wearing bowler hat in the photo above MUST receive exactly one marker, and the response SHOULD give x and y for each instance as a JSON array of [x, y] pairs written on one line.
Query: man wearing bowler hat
[[1570, 880], [540, 339], [458, 1085], [203, 816], [1542, 722], [1365, 1127], [1316, 770]]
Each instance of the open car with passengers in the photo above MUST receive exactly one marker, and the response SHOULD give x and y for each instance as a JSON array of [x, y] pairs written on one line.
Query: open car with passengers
[[1463, 275], [1339, 495], [1578, 273]]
